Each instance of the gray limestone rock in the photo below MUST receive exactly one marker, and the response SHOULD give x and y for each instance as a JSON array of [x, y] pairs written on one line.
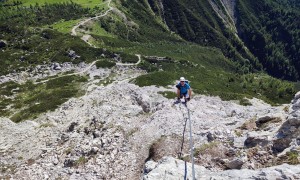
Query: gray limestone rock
[[144, 101], [290, 129], [171, 168], [268, 118], [255, 138], [234, 164], [56, 66], [69, 162], [239, 142], [149, 166], [2, 44]]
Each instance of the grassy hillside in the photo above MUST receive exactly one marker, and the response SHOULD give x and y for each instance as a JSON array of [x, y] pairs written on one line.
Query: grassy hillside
[[29, 100]]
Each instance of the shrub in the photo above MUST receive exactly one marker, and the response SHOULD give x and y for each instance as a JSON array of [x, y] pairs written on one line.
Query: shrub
[[168, 94], [293, 157], [145, 65], [245, 102], [81, 161], [155, 78], [211, 148], [105, 64], [128, 58], [35, 99]]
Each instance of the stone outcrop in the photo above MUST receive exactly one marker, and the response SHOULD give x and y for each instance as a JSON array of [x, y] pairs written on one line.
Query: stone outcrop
[[171, 168], [2, 44], [72, 54], [255, 138], [289, 133], [291, 128], [225, 9]]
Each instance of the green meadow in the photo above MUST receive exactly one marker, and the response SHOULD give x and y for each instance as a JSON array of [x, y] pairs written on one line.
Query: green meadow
[[64, 26]]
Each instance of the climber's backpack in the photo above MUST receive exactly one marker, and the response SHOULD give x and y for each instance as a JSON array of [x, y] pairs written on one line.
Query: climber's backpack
[[179, 85]]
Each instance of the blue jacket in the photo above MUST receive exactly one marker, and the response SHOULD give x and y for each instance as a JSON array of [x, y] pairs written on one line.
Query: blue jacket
[[183, 89]]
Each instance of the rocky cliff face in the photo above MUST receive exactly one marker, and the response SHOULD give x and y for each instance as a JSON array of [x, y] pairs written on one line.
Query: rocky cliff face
[[288, 136], [122, 131], [230, 7], [226, 11]]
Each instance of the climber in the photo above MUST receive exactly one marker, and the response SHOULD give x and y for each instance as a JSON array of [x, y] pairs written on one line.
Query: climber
[[183, 90]]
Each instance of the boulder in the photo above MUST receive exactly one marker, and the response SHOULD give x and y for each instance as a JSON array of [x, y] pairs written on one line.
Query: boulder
[[210, 137], [96, 134], [234, 164], [55, 161], [144, 101], [94, 150], [269, 119], [149, 166], [64, 138], [255, 138], [239, 142], [280, 144], [72, 127], [291, 127], [56, 66], [69, 162], [72, 54], [171, 168], [2, 44]]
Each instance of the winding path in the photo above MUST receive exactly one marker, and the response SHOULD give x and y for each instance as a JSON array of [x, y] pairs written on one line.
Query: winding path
[[74, 33], [88, 68]]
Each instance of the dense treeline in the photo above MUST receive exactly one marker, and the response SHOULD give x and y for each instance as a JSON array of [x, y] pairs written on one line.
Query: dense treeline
[[271, 31]]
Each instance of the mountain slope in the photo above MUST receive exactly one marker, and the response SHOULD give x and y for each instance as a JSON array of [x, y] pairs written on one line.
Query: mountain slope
[[268, 29], [196, 21], [212, 57], [72, 109], [271, 31]]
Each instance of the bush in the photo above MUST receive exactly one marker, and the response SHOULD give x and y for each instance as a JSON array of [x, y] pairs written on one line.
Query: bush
[[212, 149], [105, 64], [245, 102], [128, 58], [293, 157], [168, 94], [155, 78], [145, 65]]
